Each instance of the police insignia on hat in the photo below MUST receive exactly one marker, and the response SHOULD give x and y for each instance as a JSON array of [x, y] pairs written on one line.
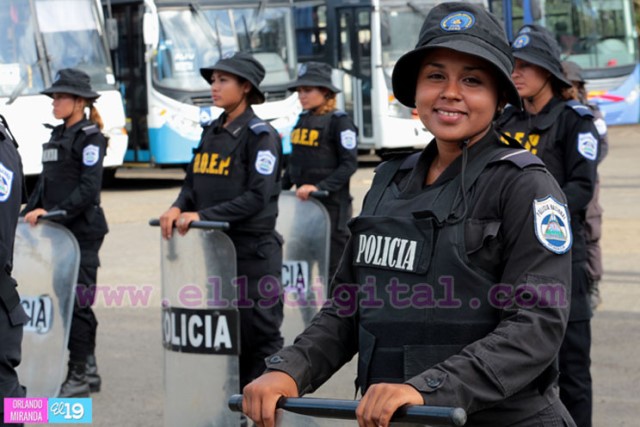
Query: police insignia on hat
[[521, 41], [229, 55], [458, 21], [303, 70], [552, 225]]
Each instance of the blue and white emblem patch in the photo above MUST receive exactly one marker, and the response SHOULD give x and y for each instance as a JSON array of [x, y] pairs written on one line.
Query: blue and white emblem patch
[[521, 41], [265, 162], [458, 21], [552, 225], [588, 145], [90, 155], [6, 181], [348, 139], [302, 70]]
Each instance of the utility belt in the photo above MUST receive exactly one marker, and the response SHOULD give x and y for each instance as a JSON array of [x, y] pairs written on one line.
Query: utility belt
[[8, 293]]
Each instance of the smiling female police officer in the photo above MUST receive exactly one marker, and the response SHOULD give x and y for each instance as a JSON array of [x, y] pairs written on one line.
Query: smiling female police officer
[[234, 177], [563, 135], [12, 316], [324, 152], [71, 180], [468, 242]]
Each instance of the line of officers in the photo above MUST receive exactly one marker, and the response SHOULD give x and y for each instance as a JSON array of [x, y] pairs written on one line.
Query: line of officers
[[238, 171]]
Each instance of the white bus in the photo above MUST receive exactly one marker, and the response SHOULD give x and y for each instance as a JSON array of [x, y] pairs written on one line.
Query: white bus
[[162, 46], [38, 38]]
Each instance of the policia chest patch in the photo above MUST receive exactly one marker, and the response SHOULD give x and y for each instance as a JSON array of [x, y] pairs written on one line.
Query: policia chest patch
[[552, 225], [387, 252]]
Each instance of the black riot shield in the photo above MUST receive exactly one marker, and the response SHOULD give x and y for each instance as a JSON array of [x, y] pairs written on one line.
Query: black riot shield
[[342, 413], [306, 228], [46, 259], [200, 326]]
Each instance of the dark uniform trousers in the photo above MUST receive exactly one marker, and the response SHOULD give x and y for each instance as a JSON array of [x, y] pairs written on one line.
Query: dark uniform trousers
[[259, 257], [339, 232], [82, 337]]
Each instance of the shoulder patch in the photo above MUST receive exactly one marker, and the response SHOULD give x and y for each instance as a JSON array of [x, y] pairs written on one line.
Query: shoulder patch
[[348, 139], [91, 129], [265, 162], [588, 145], [552, 225], [579, 108], [6, 182], [258, 126], [601, 126], [90, 155]]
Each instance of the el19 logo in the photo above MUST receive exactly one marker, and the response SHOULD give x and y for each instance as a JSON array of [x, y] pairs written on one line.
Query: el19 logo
[[70, 410]]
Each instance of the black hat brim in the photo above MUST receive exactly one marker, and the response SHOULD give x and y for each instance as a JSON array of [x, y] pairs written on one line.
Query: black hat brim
[[405, 72], [70, 90], [535, 60], [207, 72], [312, 83]]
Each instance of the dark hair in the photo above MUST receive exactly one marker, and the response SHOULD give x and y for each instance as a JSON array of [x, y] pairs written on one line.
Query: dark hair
[[252, 97]]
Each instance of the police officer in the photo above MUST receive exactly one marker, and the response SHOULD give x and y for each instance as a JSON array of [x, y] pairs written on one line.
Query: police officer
[[593, 219], [460, 258], [12, 315], [234, 177], [71, 180], [563, 135], [324, 152]]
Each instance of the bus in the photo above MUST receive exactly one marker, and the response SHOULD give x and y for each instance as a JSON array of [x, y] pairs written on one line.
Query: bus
[[38, 38], [600, 36], [162, 44]]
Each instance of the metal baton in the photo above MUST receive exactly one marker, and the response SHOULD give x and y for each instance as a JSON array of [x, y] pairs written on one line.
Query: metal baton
[[346, 410], [204, 225]]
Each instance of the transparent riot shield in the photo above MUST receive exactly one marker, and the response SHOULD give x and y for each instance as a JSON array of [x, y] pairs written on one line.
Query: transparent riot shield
[[314, 412], [46, 259], [306, 228], [200, 326]]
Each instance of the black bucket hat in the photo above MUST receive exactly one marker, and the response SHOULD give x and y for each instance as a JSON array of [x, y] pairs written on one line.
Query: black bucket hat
[[241, 64], [541, 49], [573, 71], [72, 81], [315, 74], [463, 27]]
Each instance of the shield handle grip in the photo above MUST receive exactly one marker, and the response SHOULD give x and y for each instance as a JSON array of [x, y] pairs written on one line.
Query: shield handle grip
[[54, 215], [346, 410], [203, 225], [320, 194]]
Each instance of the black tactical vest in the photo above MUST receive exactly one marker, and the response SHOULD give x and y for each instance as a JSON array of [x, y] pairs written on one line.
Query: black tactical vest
[[313, 157], [420, 299]]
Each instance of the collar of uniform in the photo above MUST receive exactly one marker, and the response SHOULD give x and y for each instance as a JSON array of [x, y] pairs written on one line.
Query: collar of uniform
[[543, 120], [235, 127], [417, 177], [61, 132]]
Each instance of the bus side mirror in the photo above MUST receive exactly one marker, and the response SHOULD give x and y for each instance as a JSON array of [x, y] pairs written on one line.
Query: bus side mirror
[[150, 29], [112, 33]]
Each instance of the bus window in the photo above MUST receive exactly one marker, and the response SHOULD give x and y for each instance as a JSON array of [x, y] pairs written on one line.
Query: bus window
[[311, 32]]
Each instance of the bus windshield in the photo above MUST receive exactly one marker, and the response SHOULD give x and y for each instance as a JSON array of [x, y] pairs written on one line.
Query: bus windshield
[[594, 34], [18, 54], [215, 32], [73, 38]]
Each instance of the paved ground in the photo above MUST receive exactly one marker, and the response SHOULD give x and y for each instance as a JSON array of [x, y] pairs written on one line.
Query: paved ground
[[129, 351]]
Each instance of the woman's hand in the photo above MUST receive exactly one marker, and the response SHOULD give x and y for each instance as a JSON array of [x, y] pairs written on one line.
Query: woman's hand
[[166, 221], [32, 216], [261, 395], [303, 192], [381, 401], [184, 220]]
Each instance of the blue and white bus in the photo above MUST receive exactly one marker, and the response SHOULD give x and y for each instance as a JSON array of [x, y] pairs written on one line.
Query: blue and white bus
[[600, 36], [38, 38], [162, 44]]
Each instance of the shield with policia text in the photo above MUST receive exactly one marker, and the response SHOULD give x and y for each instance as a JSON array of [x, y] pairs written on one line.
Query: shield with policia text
[[200, 326], [305, 226], [46, 259]]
